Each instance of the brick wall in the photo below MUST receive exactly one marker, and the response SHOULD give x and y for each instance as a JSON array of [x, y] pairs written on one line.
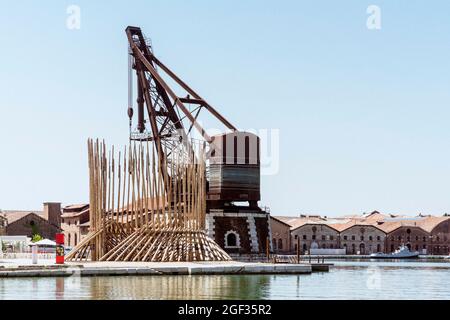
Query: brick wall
[[237, 224], [30, 222]]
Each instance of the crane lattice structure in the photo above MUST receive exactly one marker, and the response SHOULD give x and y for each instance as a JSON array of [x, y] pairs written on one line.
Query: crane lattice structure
[[150, 205]]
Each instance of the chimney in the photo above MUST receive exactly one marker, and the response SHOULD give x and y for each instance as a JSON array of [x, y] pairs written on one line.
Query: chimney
[[52, 213]]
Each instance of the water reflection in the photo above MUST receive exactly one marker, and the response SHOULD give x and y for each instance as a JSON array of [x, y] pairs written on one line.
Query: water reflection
[[180, 287], [347, 280]]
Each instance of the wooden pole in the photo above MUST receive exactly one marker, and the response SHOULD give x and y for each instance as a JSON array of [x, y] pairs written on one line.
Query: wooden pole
[[140, 212]]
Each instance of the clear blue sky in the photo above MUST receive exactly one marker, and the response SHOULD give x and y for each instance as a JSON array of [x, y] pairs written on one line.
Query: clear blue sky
[[363, 114]]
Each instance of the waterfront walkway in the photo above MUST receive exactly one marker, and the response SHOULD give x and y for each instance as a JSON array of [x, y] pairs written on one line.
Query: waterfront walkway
[[21, 268]]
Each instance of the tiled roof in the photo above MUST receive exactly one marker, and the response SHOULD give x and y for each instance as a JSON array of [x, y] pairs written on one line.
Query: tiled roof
[[74, 213], [384, 222], [280, 221], [12, 215], [75, 206]]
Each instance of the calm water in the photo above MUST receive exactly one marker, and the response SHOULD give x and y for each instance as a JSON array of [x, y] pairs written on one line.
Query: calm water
[[346, 280]]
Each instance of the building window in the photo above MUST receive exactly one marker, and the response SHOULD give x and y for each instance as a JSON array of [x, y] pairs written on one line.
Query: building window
[[331, 246], [331, 238], [378, 238], [68, 240], [76, 240], [370, 238], [232, 239], [274, 244], [345, 237], [353, 238], [417, 238], [314, 237], [323, 237], [304, 237], [323, 246], [378, 248], [362, 238], [295, 237], [280, 244], [424, 239], [392, 248], [399, 238]]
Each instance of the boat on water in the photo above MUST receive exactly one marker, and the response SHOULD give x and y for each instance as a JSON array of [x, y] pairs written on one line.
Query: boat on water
[[402, 253]]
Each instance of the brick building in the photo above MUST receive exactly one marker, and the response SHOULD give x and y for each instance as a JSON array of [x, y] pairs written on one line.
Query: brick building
[[440, 237], [315, 235], [361, 238], [370, 233], [240, 231], [281, 236], [74, 217], [46, 223], [3, 223]]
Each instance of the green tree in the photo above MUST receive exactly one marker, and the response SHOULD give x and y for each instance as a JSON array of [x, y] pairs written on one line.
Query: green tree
[[36, 238]]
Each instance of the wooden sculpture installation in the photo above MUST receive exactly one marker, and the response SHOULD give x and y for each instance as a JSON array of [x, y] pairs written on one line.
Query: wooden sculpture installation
[[147, 208]]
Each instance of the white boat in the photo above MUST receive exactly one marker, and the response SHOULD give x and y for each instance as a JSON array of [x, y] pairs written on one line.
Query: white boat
[[402, 253]]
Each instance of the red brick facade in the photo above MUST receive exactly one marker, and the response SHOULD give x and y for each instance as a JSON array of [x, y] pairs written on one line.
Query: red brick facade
[[32, 224]]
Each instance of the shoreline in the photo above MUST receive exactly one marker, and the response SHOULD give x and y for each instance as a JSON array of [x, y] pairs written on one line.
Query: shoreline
[[155, 269]]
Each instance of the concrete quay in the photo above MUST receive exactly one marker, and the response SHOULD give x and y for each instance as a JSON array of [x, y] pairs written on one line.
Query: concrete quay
[[151, 268]]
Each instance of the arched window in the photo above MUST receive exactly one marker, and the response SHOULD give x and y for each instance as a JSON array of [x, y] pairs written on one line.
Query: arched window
[[280, 244], [274, 244], [232, 239], [362, 248]]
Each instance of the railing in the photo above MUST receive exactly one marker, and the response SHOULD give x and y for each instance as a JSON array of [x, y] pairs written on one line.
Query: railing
[[26, 255]]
